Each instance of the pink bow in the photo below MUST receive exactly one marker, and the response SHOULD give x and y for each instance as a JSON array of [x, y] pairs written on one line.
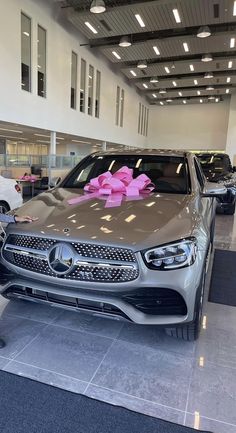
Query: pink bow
[[115, 186], [29, 178]]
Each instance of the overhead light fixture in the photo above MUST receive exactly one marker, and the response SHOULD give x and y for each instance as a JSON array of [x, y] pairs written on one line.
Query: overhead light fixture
[[232, 42], [184, 101], [207, 58], [198, 92], [97, 7], [162, 91], [161, 103], [26, 34], [195, 82], [140, 20], [90, 27], [169, 100], [133, 73], [142, 64], [154, 80], [228, 80], [174, 83], [210, 88], [208, 75], [180, 94], [167, 70], [154, 95], [230, 64], [145, 86], [176, 15], [203, 32], [211, 97], [173, 66], [234, 10], [11, 130], [191, 67], [201, 101], [125, 41], [227, 91], [186, 47], [116, 55], [217, 99], [156, 51]]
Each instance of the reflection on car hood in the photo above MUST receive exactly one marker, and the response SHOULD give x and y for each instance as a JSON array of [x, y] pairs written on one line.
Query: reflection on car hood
[[150, 220]]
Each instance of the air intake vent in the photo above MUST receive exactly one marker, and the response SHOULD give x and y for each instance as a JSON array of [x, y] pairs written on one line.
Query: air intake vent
[[216, 10], [105, 25]]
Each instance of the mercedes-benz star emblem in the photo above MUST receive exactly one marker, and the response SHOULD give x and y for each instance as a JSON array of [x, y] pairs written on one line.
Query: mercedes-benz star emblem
[[60, 259]]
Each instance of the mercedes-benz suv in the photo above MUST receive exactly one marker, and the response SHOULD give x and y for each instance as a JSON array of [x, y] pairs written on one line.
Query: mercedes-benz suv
[[137, 254]]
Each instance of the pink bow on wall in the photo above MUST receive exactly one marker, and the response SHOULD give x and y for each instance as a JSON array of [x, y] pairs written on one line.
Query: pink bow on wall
[[115, 186]]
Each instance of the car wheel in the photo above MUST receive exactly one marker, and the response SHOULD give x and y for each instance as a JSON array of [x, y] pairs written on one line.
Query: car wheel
[[4, 207], [190, 331], [230, 210]]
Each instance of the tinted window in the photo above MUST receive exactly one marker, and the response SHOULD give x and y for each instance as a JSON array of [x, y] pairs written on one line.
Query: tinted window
[[215, 162], [169, 174]]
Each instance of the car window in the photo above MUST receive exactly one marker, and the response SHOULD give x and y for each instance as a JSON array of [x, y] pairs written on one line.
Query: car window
[[199, 173], [168, 173]]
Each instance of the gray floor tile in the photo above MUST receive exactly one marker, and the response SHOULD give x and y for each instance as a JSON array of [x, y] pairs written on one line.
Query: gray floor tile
[[150, 374], [17, 332], [151, 336], [209, 424], [3, 362], [135, 404], [89, 323], [220, 316], [31, 310], [213, 393], [49, 377], [65, 351]]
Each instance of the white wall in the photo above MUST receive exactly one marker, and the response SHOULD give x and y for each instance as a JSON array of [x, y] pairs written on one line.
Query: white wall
[[231, 137], [192, 127], [54, 112]]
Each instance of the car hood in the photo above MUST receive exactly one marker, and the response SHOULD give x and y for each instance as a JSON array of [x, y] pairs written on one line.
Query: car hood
[[137, 223]]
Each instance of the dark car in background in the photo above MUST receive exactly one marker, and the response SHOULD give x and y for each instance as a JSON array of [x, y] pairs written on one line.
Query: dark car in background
[[217, 167]]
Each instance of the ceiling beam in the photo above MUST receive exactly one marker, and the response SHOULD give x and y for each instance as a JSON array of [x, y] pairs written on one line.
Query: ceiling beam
[[191, 89], [196, 76]]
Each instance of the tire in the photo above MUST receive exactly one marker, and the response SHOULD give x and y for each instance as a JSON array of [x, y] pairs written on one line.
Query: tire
[[230, 210], [190, 331], [4, 207]]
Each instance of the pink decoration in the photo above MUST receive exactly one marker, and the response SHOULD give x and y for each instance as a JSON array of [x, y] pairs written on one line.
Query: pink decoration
[[115, 186], [29, 178]]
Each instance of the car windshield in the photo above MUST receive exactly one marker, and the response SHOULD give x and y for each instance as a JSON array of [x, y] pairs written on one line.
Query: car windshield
[[213, 162], [168, 173]]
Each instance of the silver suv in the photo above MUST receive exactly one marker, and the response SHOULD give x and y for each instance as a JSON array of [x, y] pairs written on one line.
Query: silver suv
[[142, 259]]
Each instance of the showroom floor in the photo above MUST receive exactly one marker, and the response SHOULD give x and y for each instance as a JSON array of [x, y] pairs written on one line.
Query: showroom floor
[[128, 365]]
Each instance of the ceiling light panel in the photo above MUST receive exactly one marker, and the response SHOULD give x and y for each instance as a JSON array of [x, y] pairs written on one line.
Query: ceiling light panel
[[234, 8], [167, 70], [191, 67], [174, 83], [156, 51], [140, 20], [186, 47], [176, 16], [133, 73], [116, 55], [196, 82], [230, 64], [228, 80], [232, 42], [93, 30]]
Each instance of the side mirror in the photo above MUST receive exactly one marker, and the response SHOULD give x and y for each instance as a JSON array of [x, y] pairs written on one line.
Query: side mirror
[[213, 190], [55, 181]]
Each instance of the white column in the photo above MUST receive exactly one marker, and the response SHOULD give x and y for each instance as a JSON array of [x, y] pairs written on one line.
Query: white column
[[104, 145], [231, 134], [53, 143]]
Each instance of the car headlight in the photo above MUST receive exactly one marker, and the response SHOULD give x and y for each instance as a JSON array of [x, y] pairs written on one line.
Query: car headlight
[[172, 256]]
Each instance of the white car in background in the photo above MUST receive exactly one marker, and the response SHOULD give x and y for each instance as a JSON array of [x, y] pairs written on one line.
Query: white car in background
[[10, 195]]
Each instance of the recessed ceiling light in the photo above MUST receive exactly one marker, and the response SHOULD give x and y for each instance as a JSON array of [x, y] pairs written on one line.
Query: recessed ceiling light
[[156, 51], [234, 10], [145, 86], [154, 95], [154, 80], [209, 88], [195, 82], [186, 47], [180, 94], [201, 101], [232, 42], [230, 64], [228, 80], [191, 67], [97, 7], [227, 91], [140, 20], [90, 27], [184, 101], [142, 64], [133, 73], [161, 103], [162, 91], [174, 83], [116, 55], [167, 70], [208, 75], [198, 92], [176, 15], [203, 32], [207, 58], [125, 41]]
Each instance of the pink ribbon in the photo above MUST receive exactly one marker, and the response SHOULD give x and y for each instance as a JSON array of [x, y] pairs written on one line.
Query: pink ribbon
[[115, 186], [29, 178]]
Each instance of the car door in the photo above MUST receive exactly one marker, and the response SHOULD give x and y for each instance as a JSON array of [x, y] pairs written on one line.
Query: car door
[[207, 204]]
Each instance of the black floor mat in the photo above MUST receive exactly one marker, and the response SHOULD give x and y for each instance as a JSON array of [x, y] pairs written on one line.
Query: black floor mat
[[223, 279]]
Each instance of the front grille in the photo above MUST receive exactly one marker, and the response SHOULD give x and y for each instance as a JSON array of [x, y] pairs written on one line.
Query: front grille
[[97, 263]]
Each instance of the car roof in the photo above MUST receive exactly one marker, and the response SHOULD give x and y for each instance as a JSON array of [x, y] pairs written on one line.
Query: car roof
[[146, 152]]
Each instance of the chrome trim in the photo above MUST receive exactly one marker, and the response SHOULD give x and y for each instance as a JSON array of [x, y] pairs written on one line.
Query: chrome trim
[[25, 252]]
